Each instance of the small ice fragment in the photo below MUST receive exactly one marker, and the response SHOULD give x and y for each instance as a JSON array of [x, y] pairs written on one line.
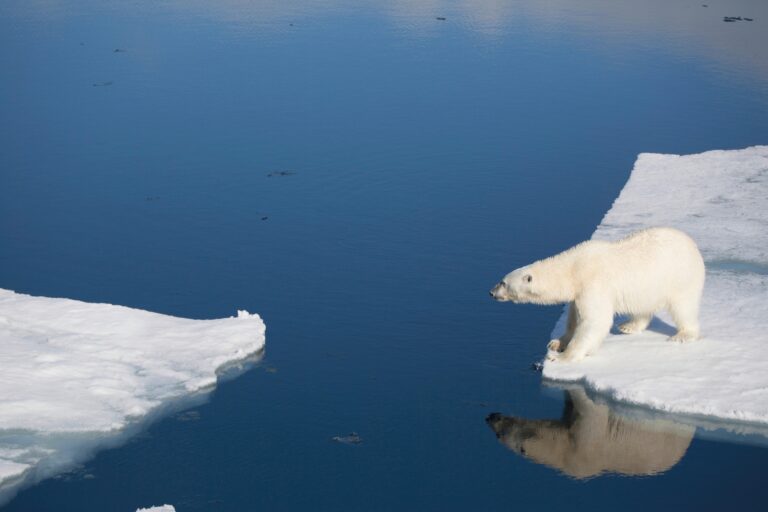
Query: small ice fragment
[[352, 438]]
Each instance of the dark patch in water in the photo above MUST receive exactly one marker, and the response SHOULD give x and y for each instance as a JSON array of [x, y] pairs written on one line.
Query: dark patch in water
[[188, 416]]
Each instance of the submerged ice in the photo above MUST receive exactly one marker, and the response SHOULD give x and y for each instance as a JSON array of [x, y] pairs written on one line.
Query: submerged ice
[[719, 198], [78, 375]]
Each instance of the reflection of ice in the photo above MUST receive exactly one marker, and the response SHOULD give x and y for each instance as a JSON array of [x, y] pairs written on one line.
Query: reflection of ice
[[679, 27], [734, 432], [591, 439], [78, 377], [718, 197], [683, 29]]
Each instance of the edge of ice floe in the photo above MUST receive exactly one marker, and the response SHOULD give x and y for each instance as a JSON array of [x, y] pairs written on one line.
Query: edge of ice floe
[[56, 451]]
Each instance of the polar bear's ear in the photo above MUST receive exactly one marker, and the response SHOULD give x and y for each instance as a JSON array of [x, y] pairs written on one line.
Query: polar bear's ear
[[528, 278]]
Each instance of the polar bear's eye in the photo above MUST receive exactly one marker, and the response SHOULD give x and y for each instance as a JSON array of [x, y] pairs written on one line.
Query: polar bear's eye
[[528, 278]]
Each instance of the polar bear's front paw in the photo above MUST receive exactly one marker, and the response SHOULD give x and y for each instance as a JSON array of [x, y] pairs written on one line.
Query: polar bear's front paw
[[683, 336], [564, 357], [554, 346]]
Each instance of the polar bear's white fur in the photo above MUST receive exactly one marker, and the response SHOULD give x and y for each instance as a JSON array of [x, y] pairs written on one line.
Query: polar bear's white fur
[[650, 270]]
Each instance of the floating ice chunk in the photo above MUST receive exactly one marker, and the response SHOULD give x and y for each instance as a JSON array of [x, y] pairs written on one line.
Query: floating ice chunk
[[352, 438], [75, 375], [164, 508], [719, 198]]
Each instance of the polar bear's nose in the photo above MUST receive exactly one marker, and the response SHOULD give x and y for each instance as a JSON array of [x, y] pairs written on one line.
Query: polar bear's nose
[[493, 417]]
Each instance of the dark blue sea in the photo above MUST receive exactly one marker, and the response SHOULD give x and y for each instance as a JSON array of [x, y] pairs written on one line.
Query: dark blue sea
[[360, 174]]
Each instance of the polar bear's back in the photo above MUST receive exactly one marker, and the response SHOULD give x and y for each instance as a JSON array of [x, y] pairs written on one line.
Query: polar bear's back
[[645, 270]]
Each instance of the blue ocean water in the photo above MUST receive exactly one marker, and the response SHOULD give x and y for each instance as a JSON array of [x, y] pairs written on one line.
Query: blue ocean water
[[360, 174]]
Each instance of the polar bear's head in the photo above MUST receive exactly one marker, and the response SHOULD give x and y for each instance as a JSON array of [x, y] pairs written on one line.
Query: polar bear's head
[[519, 286], [542, 441], [549, 281]]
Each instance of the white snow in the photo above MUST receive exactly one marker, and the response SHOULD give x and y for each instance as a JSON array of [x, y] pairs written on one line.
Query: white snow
[[10, 469], [720, 198], [164, 508], [75, 375]]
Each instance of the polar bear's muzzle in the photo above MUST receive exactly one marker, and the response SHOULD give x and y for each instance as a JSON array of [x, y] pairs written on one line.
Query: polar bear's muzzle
[[499, 292]]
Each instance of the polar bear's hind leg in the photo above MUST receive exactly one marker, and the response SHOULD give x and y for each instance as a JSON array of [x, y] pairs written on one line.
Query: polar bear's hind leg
[[637, 323], [685, 314]]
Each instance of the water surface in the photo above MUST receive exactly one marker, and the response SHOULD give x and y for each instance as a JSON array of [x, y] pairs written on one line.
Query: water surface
[[359, 174]]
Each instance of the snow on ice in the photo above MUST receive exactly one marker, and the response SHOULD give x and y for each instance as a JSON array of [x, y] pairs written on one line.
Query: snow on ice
[[76, 376]]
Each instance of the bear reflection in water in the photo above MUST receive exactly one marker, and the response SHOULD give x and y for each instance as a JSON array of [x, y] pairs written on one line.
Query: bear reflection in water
[[591, 440]]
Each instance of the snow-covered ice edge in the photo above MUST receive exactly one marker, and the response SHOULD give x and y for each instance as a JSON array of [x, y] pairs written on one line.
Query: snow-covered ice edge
[[720, 198], [77, 377]]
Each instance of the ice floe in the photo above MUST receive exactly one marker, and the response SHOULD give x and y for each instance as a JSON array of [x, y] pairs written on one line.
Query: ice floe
[[164, 508], [78, 376], [721, 199]]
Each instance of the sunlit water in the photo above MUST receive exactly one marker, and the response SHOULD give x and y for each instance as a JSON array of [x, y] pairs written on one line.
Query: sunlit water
[[360, 174]]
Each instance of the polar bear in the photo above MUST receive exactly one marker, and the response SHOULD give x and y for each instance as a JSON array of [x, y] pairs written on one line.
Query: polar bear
[[591, 439], [650, 270]]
